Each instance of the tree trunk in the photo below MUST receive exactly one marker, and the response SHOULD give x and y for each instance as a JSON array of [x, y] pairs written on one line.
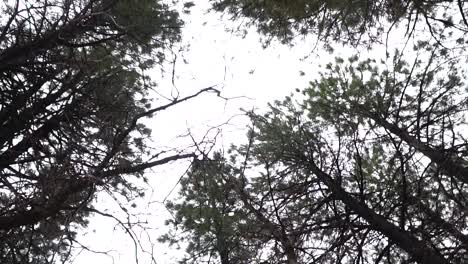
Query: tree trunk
[[418, 250]]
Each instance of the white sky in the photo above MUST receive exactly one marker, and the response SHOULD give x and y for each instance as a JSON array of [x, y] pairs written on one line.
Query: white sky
[[238, 67]]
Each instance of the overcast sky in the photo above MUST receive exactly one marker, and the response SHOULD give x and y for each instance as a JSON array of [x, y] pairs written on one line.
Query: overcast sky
[[242, 70]]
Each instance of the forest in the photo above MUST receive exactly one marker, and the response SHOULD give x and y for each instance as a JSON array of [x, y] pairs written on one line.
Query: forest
[[366, 163]]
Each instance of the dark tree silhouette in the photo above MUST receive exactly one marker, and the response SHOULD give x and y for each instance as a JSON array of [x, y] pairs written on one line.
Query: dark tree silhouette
[[73, 91]]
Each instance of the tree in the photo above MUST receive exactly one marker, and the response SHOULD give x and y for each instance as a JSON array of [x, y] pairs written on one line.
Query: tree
[[352, 22], [368, 167], [211, 220], [72, 96]]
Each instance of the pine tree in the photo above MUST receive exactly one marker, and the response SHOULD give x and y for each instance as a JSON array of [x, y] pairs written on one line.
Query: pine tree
[[73, 91]]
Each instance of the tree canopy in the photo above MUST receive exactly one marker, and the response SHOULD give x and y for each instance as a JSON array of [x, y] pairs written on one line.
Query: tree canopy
[[366, 165], [353, 22], [73, 91]]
